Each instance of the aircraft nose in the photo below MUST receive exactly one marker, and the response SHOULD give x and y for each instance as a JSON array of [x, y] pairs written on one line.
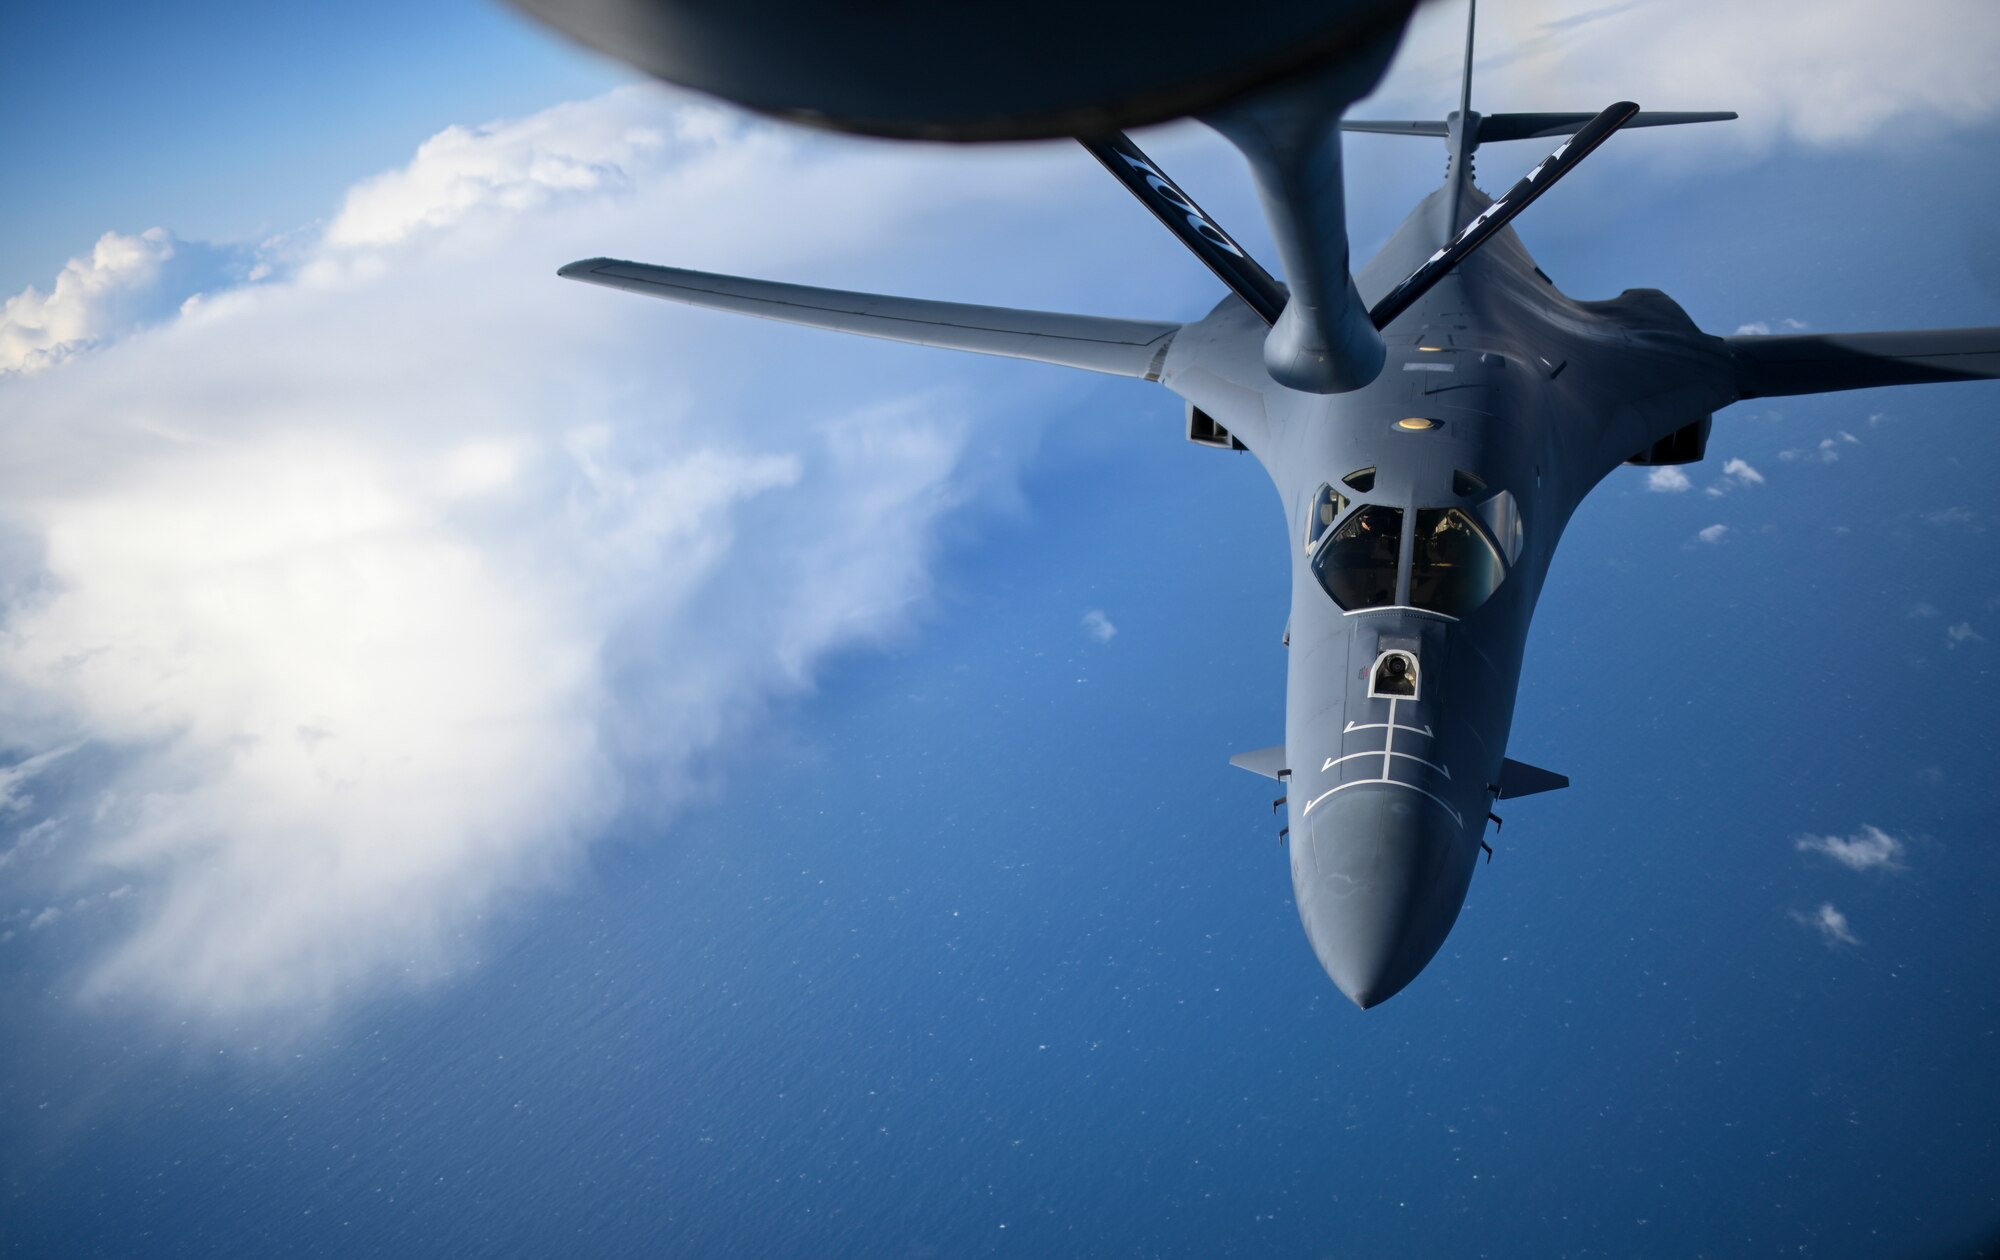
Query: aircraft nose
[[1379, 878]]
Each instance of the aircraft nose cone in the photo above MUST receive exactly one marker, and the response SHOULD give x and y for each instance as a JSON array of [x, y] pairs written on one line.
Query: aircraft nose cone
[[1379, 878]]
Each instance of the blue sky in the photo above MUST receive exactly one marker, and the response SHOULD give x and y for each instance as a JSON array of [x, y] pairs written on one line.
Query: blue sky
[[685, 749]]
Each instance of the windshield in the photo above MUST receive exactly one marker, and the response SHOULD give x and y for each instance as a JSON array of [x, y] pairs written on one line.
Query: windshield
[[1453, 568], [1326, 509], [1357, 566]]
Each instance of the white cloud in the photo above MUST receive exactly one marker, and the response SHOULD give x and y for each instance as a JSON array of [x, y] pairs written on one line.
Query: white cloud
[[14, 779], [1713, 533], [1743, 473], [1830, 923], [1762, 328], [1953, 517], [1827, 452], [1098, 626], [1923, 608], [379, 588], [1963, 633], [1828, 72], [123, 283], [574, 151], [1869, 849], [1667, 480]]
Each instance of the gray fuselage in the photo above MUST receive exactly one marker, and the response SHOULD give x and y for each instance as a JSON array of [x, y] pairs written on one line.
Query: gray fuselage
[[1533, 398]]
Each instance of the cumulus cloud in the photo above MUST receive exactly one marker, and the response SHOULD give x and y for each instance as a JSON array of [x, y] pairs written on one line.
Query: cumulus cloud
[[1736, 474], [379, 588], [1098, 626], [1713, 533], [1962, 633], [1845, 73], [1830, 923], [1743, 472], [1870, 849], [572, 151], [1667, 480], [1827, 452], [124, 282]]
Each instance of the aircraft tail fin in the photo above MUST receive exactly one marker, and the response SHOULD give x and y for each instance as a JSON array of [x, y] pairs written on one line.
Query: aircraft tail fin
[[1117, 347], [1821, 363], [1494, 128]]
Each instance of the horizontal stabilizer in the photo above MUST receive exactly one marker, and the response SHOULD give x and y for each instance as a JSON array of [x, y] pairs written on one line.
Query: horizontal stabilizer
[[1502, 211], [1118, 347], [1269, 762], [1387, 127], [1518, 778], [1819, 363], [1494, 128]]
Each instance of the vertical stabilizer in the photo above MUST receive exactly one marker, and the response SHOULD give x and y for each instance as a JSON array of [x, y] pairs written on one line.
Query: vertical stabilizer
[[1462, 132]]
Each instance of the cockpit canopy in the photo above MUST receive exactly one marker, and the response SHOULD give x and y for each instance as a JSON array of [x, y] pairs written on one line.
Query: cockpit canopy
[[1456, 559], [1454, 566]]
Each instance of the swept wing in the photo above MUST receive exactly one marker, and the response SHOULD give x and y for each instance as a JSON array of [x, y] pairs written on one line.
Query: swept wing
[[1117, 347]]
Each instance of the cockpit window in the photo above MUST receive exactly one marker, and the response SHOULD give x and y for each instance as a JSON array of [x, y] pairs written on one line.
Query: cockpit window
[[1453, 568], [1464, 485], [1357, 566], [1361, 480], [1503, 520], [1327, 506]]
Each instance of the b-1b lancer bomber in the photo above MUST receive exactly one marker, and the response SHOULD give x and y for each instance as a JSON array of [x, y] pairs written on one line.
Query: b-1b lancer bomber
[[1430, 422]]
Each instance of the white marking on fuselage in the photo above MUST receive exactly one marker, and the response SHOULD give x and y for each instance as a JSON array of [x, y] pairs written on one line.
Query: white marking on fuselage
[[1456, 817], [1388, 755], [1383, 726], [1430, 367], [1331, 762], [1382, 608]]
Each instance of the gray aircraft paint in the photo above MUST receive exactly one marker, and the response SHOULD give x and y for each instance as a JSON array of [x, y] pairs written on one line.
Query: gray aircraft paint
[[1531, 392]]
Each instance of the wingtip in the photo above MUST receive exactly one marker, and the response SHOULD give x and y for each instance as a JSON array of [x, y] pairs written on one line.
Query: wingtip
[[580, 268]]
